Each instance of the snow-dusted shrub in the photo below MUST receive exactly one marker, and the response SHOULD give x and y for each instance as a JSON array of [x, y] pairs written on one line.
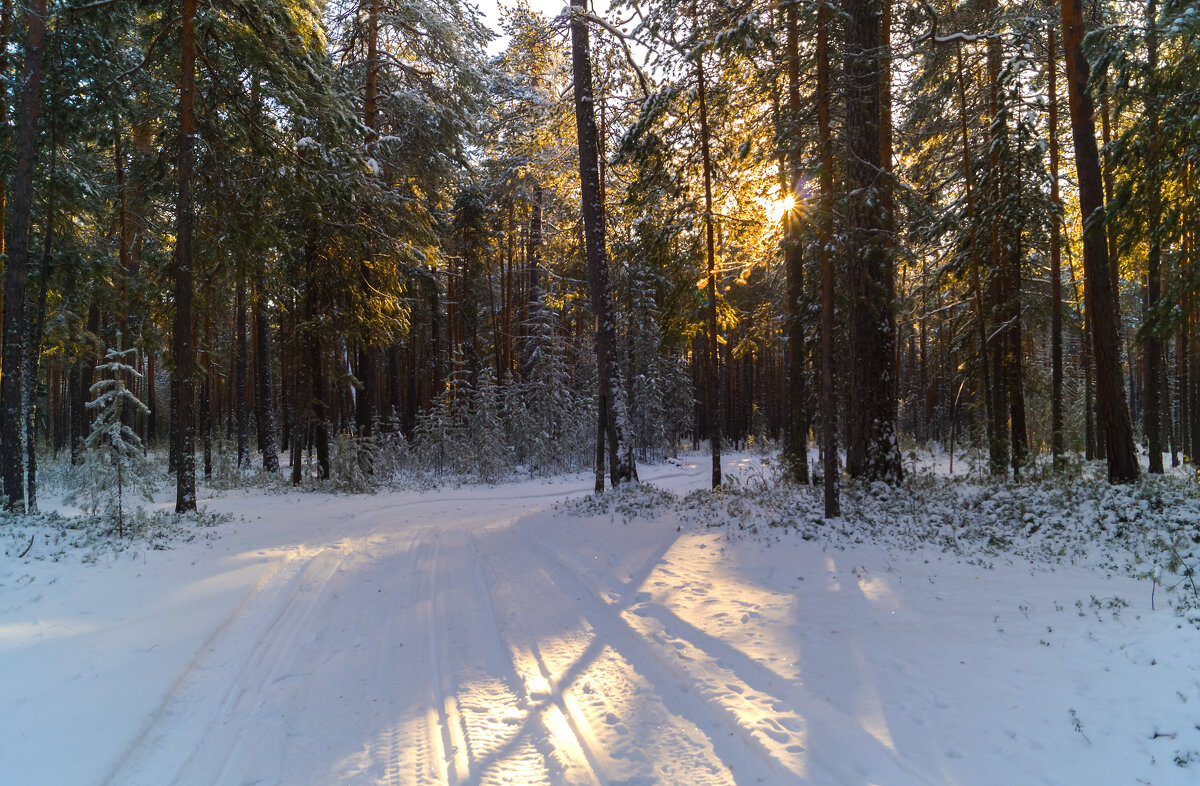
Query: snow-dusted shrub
[[392, 452], [1150, 528], [757, 440], [51, 537], [626, 502], [223, 456], [352, 464]]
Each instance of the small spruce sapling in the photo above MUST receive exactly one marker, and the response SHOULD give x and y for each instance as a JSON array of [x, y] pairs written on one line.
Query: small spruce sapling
[[114, 463]]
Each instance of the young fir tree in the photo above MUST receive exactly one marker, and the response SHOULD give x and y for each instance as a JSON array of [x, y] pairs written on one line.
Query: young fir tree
[[114, 462]]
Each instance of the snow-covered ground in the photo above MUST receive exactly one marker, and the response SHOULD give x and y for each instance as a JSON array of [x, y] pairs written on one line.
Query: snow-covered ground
[[495, 635]]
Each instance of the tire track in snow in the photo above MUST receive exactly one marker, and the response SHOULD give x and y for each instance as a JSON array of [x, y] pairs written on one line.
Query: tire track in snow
[[263, 666], [449, 723], [397, 755], [772, 714], [255, 667]]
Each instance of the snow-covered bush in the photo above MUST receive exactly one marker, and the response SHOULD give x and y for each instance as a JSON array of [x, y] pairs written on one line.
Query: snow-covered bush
[[352, 463], [392, 452]]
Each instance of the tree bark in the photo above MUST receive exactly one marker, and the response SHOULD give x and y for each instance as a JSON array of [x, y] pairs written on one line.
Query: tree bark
[[1153, 344], [1018, 433], [367, 366], [1098, 289], [973, 251], [183, 388], [1057, 441], [872, 451], [33, 354], [887, 193], [18, 261], [241, 372], [713, 376], [829, 413], [795, 438], [319, 421], [5, 29], [998, 442], [264, 376], [208, 384]]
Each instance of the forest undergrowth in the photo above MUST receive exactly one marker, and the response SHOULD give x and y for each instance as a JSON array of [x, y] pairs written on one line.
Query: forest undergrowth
[[1148, 529]]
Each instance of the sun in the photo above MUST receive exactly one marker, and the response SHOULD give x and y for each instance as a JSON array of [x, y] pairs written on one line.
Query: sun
[[779, 207]]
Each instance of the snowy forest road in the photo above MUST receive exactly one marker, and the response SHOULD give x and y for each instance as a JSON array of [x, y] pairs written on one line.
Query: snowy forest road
[[490, 635], [466, 637], [455, 639]]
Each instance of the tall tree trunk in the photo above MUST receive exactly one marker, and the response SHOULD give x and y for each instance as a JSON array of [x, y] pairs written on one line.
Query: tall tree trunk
[[829, 414], [1057, 442], [712, 342], [1181, 387], [1107, 177], [1098, 289], [319, 421], [264, 376], [241, 371], [1016, 366], [611, 386], [5, 30], [74, 400], [1114, 265], [1192, 361], [367, 366], [127, 275], [33, 354], [1184, 343], [87, 373], [18, 261], [183, 388], [795, 437], [998, 443], [1153, 344], [152, 403], [887, 194], [208, 384], [36, 317], [601, 428], [976, 279], [872, 450]]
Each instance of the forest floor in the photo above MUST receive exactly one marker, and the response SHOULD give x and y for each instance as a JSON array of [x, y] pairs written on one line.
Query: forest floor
[[499, 634]]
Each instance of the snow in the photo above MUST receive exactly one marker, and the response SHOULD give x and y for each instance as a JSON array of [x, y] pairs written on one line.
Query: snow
[[495, 634]]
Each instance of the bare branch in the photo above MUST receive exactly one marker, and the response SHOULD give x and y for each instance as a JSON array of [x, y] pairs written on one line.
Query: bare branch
[[968, 38], [624, 39]]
